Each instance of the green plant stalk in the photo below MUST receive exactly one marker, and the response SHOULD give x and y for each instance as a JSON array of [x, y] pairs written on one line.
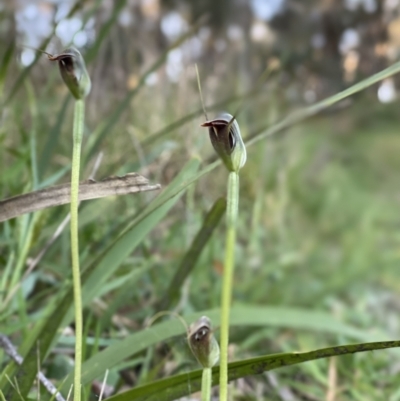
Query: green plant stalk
[[76, 159], [229, 264], [28, 224], [33, 133], [206, 384], [24, 249]]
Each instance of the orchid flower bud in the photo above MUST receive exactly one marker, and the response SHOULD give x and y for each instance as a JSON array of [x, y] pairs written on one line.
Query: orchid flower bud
[[73, 72], [203, 343], [226, 139]]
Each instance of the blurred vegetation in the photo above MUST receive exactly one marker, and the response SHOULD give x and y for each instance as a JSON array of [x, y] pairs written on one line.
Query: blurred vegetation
[[319, 222]]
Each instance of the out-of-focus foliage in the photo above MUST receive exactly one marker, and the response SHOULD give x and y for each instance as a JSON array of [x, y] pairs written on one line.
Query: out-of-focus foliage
[[319, 205]]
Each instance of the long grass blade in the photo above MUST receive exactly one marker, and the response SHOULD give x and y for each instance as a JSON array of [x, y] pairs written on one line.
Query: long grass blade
[[178, 386], [189, 260], [253, 316], [302, 114], [53, 137], [5, 62]]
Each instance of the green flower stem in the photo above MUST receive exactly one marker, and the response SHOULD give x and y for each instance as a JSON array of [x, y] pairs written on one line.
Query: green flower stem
[[229, 263], [76, 157], [206, 384]]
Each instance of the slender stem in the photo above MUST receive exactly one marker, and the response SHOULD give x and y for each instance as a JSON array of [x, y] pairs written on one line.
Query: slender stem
[[229, 263], [24, 249], [206, 385], [33, 133], [29, 223], [76, 156]]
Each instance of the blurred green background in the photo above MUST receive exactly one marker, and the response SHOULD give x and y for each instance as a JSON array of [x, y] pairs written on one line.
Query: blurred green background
[[319, 226]]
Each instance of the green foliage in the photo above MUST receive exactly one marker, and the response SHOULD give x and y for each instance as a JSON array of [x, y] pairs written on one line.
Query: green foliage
[[240, 316], [317, 249], [172, 388]]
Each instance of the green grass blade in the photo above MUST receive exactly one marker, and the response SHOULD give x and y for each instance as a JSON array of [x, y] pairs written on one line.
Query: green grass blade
[[189, 260], [299, 319], [301, 115], [124, 292], [178, 386], [53, 137], [96, 273], [135, 233], [55, 177], [5, 62], [33, 133], [286, 122]]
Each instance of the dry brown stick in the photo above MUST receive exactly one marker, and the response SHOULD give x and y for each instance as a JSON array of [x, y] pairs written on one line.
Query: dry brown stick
[[12, 352], [60, 194]]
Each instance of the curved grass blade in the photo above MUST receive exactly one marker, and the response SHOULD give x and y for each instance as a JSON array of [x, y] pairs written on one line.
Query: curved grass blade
[[189, 260], [93, 276], [181, 385], [119, 298], [299, 319], [53, 137], [302, 114], [5, 62], [128, 239], [293, 118]]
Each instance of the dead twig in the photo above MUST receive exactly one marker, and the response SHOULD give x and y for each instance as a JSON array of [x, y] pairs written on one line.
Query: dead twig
[[61, 194]]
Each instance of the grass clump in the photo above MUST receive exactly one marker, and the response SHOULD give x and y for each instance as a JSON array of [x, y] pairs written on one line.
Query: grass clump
[[315, 243]]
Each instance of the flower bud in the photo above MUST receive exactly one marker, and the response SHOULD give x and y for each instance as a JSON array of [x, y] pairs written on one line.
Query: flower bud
[[226, 139], [203, 343], [73, 72]]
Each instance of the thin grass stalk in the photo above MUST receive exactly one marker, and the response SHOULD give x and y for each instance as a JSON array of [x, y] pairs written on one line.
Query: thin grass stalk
[[29, 222], [76, 157], [33, 134], [229, 264], [206, 384], [27, 229]]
